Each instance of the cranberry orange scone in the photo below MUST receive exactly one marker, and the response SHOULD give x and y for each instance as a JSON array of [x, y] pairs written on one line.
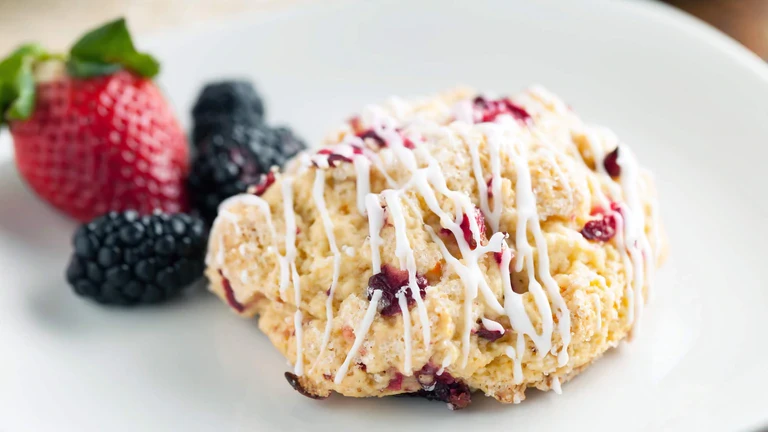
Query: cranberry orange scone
[[446, 245]]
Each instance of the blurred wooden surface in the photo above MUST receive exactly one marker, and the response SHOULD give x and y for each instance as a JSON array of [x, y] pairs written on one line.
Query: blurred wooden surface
[[744, 20], [56, 23]]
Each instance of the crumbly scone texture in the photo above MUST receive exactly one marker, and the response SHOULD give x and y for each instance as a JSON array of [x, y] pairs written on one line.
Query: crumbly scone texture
[[592, 276]]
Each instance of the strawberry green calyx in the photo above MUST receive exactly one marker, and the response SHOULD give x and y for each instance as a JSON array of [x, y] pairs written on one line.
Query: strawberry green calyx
[[102, 51], [105, 50], [17, 83]]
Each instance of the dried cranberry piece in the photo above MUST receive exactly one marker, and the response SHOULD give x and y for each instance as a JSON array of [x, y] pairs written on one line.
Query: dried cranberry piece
[[488, 110], [601, 229], [356, 123], [389, 281], [334, 159], [381, 142], [396, 383], [444, 388], [491, 335], [230, 294], [293, 380], [370, 133], [465, 228], [264, 184], [611, 164], [485, 333]]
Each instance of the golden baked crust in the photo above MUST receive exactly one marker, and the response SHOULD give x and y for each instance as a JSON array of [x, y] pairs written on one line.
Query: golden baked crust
[[570, 188]]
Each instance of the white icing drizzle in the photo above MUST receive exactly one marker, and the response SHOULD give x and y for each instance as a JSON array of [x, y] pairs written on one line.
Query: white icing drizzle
[[528, 217], [376, 161], [472, 279], [290, 258], [597, 193], [516, 356], [375, 223], [518, 317], [233, 219], [246, 199], [403, 303], [298, 368], [290, 235], [424, 180], [492, 325], [634, 229], [482, 185], [318, 192], [637, 256], [625, 260], [446, 362], [360, 333], [404, 253], [556, 385]]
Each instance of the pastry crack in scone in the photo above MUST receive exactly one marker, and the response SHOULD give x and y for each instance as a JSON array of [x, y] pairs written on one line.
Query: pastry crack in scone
[[441, 246]]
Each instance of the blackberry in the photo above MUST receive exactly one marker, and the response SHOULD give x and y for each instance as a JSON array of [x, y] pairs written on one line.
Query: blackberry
[[229, 162], [223, 105], [127, 259], [285, 144], [226, 166]]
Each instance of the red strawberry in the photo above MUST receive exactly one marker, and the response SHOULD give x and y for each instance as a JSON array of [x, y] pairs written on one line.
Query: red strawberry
[[100, 136]]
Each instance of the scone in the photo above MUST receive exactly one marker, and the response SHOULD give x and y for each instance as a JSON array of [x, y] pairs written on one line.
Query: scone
[[445, 245]]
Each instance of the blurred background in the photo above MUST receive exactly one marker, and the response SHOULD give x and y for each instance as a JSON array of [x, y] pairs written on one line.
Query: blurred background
[[56, 23]]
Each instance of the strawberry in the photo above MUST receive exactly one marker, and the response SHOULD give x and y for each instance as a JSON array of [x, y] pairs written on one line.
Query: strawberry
[[92, 132]]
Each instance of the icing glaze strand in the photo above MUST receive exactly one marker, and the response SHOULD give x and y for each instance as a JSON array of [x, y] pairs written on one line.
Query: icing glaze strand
[[318, 195]]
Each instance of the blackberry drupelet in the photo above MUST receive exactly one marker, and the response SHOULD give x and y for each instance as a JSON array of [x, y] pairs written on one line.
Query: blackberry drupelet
[[226, 166], [274, 146], [127, 259], [229, 162], [223, 105]]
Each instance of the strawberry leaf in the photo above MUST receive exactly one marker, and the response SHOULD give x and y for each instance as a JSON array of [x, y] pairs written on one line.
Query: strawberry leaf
[[81, 68], [103, 50], [17, 83]]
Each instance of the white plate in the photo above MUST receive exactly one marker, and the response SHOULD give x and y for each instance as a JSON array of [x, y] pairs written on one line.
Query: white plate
[[693, 103]]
